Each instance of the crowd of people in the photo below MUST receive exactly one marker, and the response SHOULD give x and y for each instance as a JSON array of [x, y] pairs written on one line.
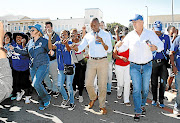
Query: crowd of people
[[46, 61]]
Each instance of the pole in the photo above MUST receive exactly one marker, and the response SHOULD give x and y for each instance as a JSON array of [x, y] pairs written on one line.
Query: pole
[[147, 16], [172, 13]]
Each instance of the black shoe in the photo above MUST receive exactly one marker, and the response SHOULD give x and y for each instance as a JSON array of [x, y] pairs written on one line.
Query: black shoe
[[49, 91], [71, 107], [55, 94], [109, 93], [137, 117], [143, 111]]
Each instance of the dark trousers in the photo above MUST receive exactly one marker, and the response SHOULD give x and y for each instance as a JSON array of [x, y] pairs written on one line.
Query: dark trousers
[[159, 69], [79, 77], [21, 81]]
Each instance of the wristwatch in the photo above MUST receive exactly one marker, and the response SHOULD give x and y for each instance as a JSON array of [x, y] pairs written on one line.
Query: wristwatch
[[3, 49]]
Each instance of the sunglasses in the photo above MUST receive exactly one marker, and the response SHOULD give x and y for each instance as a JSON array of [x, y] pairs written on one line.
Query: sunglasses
[[31, 30]]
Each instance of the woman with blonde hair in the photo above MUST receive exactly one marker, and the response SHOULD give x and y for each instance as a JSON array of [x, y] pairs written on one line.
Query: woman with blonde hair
[[39, 65]]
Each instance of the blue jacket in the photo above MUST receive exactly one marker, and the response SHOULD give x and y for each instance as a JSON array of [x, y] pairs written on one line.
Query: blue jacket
[[176, 48], [19, 62], [38, 52], [165, 53], [66, 59]]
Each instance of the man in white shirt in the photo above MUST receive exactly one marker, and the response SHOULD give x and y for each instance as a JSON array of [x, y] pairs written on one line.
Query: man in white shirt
[[141, 43], [99, 43]]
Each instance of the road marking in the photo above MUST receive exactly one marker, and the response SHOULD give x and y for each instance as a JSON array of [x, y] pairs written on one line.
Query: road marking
[[92, 111], [15, 109], [5, 120], [60, 106], [46, 116], [126, 114], [171, 115]]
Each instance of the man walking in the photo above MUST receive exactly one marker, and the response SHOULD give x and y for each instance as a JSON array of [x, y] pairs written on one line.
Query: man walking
[[140, 42], [99, 43], [159, 66], [53, 73]]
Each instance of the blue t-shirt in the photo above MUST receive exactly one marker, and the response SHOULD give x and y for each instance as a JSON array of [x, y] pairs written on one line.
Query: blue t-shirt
[[39, 51], [165, 53], [67, 57], [19, 62], [176, 48]]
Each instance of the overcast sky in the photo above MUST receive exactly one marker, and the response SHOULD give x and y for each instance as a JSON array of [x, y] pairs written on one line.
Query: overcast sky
[[113, 10]]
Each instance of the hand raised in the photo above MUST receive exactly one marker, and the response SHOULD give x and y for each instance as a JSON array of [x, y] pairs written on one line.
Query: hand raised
[[119, 44]]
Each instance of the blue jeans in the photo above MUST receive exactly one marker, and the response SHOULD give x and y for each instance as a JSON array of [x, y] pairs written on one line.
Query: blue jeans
[[140, 75], [38, 75], [109, 84], [69, 80], [54, 75], [177, 82]]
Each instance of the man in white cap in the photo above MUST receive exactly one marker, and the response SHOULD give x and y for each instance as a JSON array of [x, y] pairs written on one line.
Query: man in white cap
[[140, 42]]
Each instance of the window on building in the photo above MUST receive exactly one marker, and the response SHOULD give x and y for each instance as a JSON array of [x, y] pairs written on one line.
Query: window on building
[[70, 27], [149, 26], [168, 24], [66, 27], [19, 27], [15, 28], [24, 27], [91, 16], [62, 27], [59, 28], [165, 25], [176, 25], [55, 28]]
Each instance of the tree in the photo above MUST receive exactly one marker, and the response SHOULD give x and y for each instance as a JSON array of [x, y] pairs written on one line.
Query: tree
[[111, 26]]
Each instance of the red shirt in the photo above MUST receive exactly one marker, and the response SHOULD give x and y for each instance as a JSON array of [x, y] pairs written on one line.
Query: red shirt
[[120, 61]]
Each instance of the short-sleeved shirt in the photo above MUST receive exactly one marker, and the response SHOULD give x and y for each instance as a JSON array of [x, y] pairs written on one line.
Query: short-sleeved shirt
[[176, 48], [62, 54]]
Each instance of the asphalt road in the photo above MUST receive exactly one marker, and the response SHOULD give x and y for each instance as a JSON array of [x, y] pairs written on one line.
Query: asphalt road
[[18, 112]]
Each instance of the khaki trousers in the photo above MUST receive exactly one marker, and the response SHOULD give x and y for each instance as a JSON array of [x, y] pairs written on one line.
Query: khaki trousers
[[99, 67]]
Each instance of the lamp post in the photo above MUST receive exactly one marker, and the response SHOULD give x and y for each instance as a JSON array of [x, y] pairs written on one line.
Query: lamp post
[[147, 16], [172, 13]]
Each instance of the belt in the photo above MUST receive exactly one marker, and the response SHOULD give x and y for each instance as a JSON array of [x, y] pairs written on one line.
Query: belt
[[141, 64], [98, 58], [159, 60]]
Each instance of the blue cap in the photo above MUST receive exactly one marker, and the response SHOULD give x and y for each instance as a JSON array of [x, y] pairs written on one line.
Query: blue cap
[[157, 26], [38, 27], [137, 17]]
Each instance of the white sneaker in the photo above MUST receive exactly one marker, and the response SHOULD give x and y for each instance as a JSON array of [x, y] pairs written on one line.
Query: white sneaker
[[27, 99], [19, 95], [80, 99]]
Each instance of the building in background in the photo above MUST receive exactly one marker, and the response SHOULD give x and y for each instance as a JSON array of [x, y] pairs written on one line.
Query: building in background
[[7, 18], [20, 23], [78, 23], [166, 21]]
